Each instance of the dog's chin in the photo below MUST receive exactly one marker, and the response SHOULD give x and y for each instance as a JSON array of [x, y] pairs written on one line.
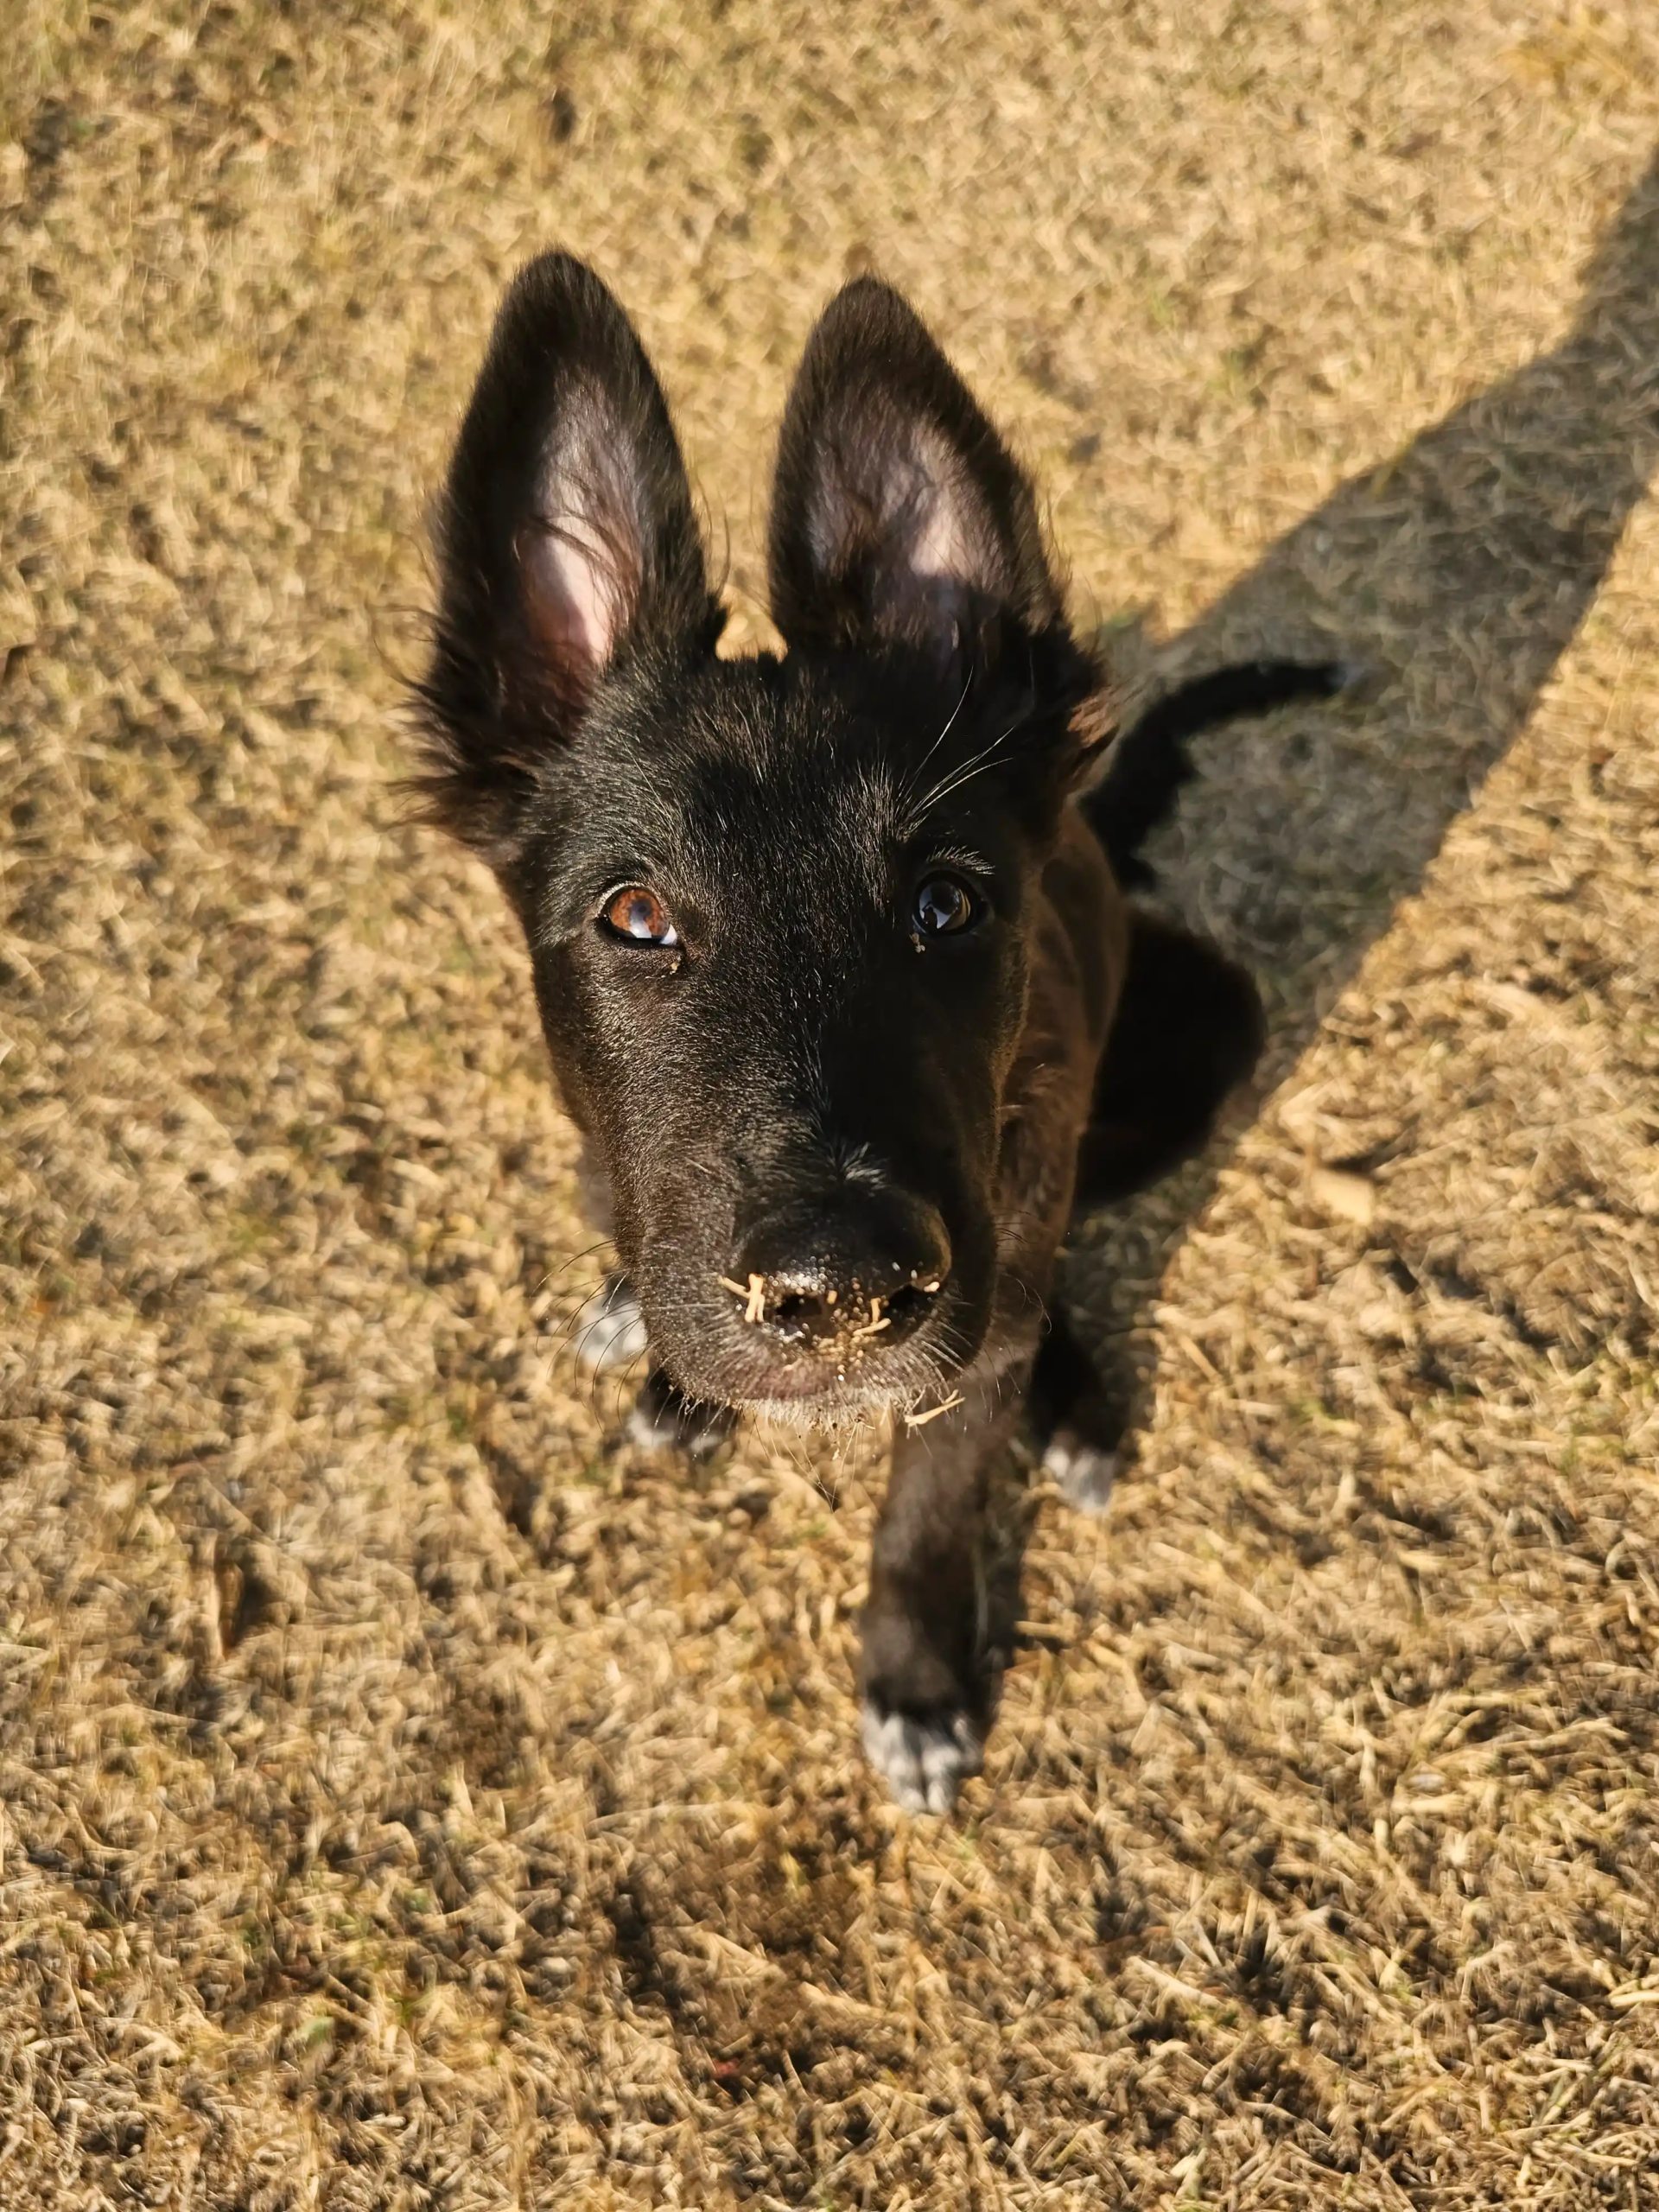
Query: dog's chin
[[838, 1412], [844, 1413], [830, 1404], [815, 1395]]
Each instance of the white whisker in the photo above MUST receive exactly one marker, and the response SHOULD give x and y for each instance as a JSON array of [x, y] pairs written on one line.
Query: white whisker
[[950, 723], [978, 765]]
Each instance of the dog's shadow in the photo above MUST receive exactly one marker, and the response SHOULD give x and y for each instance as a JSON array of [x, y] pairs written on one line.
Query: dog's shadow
[[1457, 571]]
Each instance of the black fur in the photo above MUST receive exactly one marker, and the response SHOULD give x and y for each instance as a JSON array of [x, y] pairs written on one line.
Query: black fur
[[827, 954]]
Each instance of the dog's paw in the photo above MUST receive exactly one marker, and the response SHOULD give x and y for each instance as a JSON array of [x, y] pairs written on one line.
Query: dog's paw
[[663, 1421], [610, 1329], [922, 1757], [1084, 1472]]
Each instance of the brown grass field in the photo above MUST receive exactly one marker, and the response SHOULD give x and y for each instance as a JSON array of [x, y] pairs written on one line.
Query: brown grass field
[[408, 1798]]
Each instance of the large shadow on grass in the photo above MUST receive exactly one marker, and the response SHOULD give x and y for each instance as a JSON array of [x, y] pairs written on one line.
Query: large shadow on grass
[[1458, 571]]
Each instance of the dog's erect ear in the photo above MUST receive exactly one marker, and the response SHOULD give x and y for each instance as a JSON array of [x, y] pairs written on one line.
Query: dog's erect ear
[[566, 542], [898, 513]]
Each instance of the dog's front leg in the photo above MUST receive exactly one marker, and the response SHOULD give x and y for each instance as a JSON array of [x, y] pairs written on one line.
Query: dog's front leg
[[926, 1673]]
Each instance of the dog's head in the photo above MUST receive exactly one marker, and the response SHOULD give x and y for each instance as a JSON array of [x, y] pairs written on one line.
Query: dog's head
[[780, 910]]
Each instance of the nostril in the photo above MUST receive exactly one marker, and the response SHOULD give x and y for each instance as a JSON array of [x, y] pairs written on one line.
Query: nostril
[[769, 1303], [848, 1316], [798, 1316], [905, 1309]]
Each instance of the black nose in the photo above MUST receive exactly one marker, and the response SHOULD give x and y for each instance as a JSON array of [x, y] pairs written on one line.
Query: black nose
[[860, 1270]]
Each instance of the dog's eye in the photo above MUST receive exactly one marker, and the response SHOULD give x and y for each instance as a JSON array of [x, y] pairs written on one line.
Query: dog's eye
[[944, 907], [640, 916]]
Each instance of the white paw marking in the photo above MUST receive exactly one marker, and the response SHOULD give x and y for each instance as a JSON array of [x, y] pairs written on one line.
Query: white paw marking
[[1084, 1472], [610, 1329], [922, 1762]]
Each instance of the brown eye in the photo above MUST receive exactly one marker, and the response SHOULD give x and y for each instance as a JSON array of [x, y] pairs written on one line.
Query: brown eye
[[640, 916], [944, 907]]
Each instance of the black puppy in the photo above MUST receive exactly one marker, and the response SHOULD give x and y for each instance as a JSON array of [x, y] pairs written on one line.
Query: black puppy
[[836, 978]]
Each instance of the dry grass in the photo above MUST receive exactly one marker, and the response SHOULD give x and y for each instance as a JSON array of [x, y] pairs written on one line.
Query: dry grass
[[409, 1799]]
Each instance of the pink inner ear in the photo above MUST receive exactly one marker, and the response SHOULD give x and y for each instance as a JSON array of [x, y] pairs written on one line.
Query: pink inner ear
[[905, 502], [583, 555], [575, 594], [940, 547]]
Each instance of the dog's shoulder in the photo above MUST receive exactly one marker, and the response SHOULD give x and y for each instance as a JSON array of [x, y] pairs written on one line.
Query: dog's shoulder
[[1084, 935], [1080, 956]]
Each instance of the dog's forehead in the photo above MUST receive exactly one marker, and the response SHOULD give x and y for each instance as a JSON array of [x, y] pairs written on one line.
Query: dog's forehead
[[754, 764], [773, 754]]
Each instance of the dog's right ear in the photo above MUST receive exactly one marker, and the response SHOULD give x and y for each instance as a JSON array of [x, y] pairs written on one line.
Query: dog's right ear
[[899, 515], [567, 544]]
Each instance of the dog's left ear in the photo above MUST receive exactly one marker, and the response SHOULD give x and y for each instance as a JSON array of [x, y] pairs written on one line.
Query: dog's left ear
[[899, 515], [568, 546]]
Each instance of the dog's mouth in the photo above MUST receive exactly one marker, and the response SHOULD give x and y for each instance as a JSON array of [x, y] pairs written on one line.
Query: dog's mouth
[[844, 1401], [812, 1359]]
